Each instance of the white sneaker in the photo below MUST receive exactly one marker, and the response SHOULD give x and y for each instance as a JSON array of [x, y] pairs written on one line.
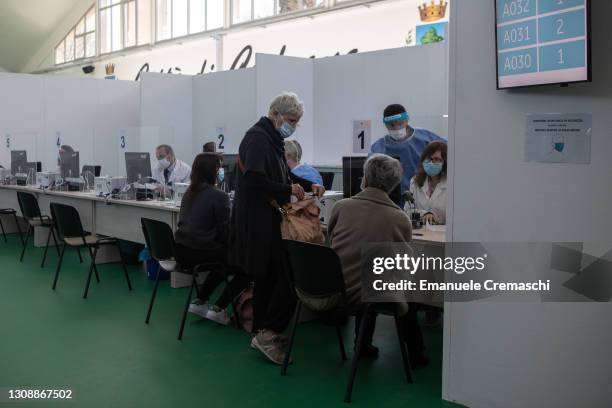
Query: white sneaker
[[218, 315], [198, 308]]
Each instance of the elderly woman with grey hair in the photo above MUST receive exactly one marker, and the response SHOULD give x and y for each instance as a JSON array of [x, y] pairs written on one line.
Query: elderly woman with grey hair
[[263, 176], [293, 154], [372, 217]]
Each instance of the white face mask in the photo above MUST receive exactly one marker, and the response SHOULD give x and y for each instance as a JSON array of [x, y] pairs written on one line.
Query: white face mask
[[398, 134], [164, 163]]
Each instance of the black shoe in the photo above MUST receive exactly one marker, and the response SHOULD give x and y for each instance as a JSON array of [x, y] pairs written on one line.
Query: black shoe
[[368, 351], [420, 360]]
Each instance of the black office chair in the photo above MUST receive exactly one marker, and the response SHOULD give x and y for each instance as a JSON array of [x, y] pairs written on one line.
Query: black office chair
[[10, 211], [70, 231], [328, 179], [28, 204], [160, 241], [324, 286]]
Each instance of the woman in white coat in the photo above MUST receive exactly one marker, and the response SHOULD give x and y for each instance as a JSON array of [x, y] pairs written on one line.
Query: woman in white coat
[[428, 186]]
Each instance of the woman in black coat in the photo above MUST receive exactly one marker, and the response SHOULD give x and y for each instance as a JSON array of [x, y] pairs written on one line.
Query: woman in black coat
[[263, 175]]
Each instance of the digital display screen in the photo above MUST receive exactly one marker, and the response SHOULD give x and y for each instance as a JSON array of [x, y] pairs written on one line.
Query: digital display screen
[[542, 42]]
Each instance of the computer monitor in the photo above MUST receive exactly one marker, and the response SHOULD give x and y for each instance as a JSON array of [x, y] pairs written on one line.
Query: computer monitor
[[19, 158], [89, 173], [352, 174], [33, 167], [137, 166], [396, 194], [95, 170], [230, 164], [69, 165]]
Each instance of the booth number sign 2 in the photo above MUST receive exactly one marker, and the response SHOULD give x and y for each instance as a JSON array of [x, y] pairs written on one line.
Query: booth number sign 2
[[221, 137]]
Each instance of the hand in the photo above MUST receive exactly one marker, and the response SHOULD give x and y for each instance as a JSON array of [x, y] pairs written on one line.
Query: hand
[[297, 191], [318, 189], [428, 219]]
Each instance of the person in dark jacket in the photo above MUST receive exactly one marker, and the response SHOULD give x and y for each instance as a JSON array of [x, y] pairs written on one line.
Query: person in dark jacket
[[263, 175], [202, 236]]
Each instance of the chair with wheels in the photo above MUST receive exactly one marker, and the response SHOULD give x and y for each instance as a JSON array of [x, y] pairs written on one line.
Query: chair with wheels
[[160, 241], [28, 204], [70, 231], [323, 289]]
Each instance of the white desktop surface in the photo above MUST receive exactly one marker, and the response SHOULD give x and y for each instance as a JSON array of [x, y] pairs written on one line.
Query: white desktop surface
[[116, 218]]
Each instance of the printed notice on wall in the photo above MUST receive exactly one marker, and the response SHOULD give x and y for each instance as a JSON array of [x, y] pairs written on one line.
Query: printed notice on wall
[[559, 138]]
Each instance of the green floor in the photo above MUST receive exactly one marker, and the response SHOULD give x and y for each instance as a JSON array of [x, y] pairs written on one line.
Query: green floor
[[102, 350]]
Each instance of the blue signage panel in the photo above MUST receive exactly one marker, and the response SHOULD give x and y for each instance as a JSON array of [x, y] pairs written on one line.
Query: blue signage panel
[[541, 42]]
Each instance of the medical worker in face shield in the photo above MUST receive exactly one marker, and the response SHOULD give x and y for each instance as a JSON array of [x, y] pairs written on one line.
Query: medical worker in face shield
[[403, 141], [169, 169]]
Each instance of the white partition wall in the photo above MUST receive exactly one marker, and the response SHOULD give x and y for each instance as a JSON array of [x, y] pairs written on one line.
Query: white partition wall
[[526, 355], [223, 102], [359, 86], [167, 103], [39, 112], [276, 74], [21, 114], [119, 108]]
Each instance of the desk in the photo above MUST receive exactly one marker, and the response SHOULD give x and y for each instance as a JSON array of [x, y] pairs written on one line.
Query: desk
[[427, 237], [115, 218]]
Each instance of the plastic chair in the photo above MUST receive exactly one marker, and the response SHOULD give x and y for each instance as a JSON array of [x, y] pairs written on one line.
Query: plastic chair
[[70, 230], [28, 204], [160, 241], [10, 211], [326, 281], [328, 179], [322, 282]]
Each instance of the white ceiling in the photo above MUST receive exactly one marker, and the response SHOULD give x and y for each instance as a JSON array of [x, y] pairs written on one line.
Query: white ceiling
[[25, 25]]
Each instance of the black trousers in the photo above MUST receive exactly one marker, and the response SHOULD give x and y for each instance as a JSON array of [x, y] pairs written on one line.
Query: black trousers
[[409, 325], [189, 257], [273, 298]]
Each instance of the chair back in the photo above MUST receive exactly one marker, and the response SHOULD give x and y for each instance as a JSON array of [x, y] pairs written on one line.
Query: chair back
[[28, 204], [67, 221], [315, 269], [159, 238], [328, 179]]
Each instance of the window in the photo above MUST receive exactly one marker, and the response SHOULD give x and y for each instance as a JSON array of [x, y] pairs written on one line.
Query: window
[[178, 18], [247, 10], [124, 24], [80, 42]]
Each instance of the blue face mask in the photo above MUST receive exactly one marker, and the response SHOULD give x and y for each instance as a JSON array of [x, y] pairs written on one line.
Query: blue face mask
[[220, 175], [286, 130], [432, 169]]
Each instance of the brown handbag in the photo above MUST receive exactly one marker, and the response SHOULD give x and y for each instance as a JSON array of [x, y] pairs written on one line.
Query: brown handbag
[[300, 221]]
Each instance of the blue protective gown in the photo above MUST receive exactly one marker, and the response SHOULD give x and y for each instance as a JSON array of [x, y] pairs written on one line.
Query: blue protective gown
[[306, 171], [408, 150]]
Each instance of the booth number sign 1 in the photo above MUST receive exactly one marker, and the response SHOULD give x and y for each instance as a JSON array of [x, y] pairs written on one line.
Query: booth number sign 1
[[362, 136]]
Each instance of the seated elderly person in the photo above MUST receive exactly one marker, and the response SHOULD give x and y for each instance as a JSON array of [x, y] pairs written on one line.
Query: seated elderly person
[[293, 154], [372, 217]]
